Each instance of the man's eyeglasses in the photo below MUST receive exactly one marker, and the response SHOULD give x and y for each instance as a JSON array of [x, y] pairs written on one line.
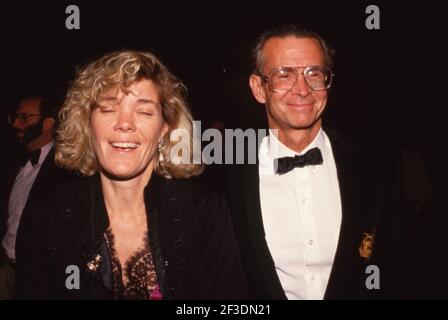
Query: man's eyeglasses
[[22, 117], [283, 79]]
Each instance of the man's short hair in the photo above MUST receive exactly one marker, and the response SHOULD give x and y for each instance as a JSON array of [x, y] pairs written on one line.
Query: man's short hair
[[48, 106], [284, 31]]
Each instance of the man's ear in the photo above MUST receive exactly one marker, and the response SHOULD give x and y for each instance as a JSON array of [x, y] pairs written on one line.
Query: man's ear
[[258, 90], [48, 124]]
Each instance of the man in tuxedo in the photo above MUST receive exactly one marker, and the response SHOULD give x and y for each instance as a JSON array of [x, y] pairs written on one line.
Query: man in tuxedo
[[317, 215], [35, 173]]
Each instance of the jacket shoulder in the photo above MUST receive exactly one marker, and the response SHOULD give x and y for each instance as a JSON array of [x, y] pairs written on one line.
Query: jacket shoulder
[[60, 200], [377, 151], [361, 142]]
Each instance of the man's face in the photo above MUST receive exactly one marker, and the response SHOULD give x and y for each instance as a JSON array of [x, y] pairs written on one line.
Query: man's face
[[300, 107], [28, 122]]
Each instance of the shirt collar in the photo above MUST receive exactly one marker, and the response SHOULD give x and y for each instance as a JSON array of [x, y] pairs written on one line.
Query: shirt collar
[[271, 149], [44, 151], [278, 149]]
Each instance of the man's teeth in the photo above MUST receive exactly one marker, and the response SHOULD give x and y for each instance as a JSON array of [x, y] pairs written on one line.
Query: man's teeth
[[125, 145]]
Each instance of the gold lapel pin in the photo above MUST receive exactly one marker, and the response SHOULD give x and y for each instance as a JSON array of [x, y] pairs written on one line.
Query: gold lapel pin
[[95, 263]]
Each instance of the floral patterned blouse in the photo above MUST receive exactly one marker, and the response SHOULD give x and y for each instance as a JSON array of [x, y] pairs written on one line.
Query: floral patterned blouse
[[140, 281]]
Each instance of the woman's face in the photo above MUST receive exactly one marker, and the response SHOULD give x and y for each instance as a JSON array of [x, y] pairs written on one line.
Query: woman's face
[[126, 128]]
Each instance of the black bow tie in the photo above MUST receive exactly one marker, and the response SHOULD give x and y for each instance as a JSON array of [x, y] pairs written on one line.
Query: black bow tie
[[32, 156], [311, 157]]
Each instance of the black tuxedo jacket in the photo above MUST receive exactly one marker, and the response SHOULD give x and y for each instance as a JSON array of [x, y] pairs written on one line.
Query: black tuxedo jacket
[[48, 177], [369, 178]]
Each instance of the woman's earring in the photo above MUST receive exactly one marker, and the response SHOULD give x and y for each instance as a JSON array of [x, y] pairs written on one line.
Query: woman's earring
[[160, 149], [160, 146]]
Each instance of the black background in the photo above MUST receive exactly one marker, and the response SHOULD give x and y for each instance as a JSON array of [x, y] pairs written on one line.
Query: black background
[[389, 82]]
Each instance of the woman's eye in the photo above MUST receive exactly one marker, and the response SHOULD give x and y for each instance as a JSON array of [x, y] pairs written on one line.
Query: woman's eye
[[146, 113], [106, 110]]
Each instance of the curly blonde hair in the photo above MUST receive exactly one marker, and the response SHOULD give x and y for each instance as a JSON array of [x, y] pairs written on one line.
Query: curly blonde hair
[[74, 150]]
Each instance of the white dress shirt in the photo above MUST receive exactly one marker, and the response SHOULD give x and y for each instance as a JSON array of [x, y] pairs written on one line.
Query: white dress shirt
[[18, 198], [301, 213]]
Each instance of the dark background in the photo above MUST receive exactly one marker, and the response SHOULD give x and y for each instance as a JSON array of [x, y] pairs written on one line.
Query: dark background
[[389, 82]]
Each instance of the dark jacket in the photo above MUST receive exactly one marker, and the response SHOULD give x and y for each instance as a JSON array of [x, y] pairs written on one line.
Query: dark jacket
[[49, 177], [368, 173], [425, 194], [190, 233]]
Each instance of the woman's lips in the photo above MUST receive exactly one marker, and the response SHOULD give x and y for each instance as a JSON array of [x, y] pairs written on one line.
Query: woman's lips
[[124, 147]]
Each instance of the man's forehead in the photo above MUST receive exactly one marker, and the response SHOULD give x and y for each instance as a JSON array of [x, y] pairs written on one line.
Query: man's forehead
[[29, 105], [278, 50], [294, 42]]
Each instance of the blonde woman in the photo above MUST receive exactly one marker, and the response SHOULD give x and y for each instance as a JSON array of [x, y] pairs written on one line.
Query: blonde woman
[[138, 227]]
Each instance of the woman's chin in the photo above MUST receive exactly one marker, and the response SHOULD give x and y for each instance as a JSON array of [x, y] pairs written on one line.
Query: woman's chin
[[123, 174]]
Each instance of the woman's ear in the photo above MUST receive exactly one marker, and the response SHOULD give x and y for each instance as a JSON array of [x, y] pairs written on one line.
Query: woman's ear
[[165, 129], [258, 90]]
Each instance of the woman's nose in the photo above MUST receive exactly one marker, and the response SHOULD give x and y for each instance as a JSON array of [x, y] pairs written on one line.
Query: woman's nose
[[125, 121]]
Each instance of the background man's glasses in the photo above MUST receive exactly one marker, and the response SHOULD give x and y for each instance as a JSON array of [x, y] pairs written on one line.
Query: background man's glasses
[[22, 117], [283, 79]]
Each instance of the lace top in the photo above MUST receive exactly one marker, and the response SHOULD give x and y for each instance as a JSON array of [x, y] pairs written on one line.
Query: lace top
[[141, 279]]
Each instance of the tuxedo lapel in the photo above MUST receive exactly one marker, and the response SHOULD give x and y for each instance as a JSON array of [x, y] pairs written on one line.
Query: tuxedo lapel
[[261, 265], [359, 215], [345, 166]]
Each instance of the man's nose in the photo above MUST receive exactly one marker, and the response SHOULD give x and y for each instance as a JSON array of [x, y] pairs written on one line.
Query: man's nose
[[301, 87], [16, 124]]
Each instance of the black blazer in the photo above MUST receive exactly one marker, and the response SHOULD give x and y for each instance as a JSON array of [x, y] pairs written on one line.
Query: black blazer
[[195, 252], [425, 208], [49, 176], [368, 174]]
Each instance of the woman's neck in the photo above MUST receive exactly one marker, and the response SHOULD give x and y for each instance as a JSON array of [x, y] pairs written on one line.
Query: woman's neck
[[124, 199]]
